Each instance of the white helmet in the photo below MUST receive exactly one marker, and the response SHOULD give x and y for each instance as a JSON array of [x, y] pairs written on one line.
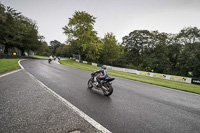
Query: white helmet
[[103, 67]]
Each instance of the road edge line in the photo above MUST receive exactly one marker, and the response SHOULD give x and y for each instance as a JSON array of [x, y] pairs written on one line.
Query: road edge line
[[68, 104], [10, 73], [20, 64]]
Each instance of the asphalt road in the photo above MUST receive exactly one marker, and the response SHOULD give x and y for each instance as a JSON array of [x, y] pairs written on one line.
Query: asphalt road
[[28, 107], [134, 107]]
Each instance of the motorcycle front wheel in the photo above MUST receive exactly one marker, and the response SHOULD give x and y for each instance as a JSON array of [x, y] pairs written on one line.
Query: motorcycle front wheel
[[109, 89], [90, 83]]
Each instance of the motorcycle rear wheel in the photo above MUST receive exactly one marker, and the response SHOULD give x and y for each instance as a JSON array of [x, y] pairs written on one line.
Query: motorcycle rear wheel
[[109, 90]]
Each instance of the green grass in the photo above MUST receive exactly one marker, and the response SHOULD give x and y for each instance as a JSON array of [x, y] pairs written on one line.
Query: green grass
[[41, 57], [38, 56], [151, 80], [7, 65]]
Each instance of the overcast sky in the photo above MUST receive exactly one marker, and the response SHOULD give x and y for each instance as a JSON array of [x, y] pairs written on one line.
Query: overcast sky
[[117, 16]]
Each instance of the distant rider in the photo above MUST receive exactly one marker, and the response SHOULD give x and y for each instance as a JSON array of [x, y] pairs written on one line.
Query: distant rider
[[50, 59]]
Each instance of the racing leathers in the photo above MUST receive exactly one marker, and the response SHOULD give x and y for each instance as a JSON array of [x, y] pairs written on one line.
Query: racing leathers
[[102, 77]]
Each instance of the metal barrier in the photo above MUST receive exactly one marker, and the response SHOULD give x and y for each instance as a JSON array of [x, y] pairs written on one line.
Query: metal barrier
[[150, 74]]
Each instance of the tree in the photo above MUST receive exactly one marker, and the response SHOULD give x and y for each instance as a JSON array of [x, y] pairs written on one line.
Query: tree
[[195, 59], [82, 37], [147, 50], [27, 37], [2, 23], [8, 25], [136, 43], [189, 39], [54, 45], [111, 49], [161, 52], [174, 53], [188, 35], [17, 31], [44, 49]]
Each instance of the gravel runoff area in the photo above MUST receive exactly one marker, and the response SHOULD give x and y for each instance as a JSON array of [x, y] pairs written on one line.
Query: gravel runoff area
[[26, 106]]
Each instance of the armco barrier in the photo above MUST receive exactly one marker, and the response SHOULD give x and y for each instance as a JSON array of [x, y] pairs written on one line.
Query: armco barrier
[[118, 69], [150, 74], [157, 75], [164, 76], [181, 79], [94, 64], [85, 62], [130, 70], [143, 73]]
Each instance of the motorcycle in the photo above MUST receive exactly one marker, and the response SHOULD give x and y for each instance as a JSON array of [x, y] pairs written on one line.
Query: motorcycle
[[106, 84]]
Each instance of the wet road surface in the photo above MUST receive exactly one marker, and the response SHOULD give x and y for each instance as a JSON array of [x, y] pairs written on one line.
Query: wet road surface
[[133, 107]]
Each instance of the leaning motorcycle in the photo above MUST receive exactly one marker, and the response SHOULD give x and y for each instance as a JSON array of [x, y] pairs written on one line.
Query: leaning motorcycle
[[106, 84]]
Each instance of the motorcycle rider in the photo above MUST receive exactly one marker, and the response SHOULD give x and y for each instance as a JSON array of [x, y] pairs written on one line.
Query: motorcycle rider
[[50, 59], [102, 77]]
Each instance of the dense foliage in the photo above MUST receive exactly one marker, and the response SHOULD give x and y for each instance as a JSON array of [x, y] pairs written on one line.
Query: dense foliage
[[82, 37], [83, 40], [17, 31], [177, 54]]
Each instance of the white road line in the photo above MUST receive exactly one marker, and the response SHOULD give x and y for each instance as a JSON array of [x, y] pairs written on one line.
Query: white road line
[[10, 73], [20, 64], [68, 104]]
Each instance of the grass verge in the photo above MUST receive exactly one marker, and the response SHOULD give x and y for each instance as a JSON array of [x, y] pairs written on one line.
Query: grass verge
[[41, 57], [151, 80], [38, 56], [7, 65]]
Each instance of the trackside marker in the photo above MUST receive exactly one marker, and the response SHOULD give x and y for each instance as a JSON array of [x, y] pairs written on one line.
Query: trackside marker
[[68, 104]]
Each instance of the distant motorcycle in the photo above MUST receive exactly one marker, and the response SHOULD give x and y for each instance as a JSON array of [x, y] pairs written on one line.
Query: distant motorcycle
[[106, 84]]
